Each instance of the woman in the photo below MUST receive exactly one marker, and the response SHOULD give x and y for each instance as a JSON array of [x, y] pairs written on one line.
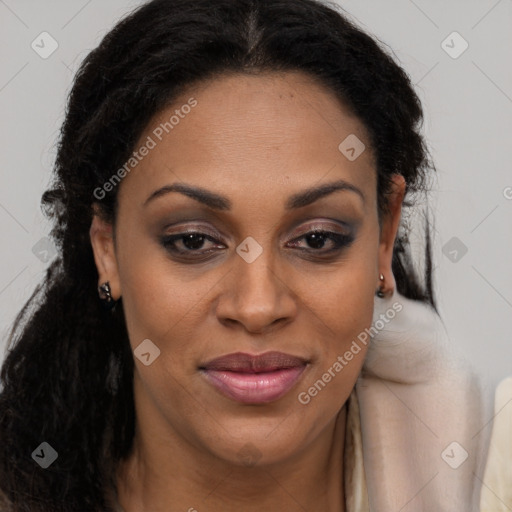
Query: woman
[[229, 185]]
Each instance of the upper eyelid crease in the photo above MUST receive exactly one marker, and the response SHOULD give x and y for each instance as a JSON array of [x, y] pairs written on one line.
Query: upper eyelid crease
[[218, 202]]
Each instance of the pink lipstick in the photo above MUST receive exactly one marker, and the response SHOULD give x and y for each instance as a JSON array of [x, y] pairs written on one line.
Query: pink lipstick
[[254, 379]]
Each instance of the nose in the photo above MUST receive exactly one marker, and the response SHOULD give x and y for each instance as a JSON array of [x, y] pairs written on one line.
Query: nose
[[257, 296]]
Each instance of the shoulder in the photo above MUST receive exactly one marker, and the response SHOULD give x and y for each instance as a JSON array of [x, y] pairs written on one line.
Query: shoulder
[[421, 408]]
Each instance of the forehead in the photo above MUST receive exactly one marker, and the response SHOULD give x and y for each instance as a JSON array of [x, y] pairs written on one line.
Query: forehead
[[264, 132]]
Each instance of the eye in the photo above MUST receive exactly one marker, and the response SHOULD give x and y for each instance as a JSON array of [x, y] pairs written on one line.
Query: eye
[[191, 244], [318, 238], [188, 244]]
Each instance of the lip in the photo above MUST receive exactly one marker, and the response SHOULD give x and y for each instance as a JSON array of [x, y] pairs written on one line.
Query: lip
[[254, 379]]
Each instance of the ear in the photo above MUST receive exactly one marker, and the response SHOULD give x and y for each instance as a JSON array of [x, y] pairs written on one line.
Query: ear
[[389, 229], [102, 242]]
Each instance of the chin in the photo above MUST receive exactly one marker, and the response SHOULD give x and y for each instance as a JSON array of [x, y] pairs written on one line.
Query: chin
[[258, 442]]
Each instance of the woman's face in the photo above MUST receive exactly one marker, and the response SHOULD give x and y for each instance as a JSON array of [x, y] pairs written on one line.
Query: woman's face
[[252, 155]]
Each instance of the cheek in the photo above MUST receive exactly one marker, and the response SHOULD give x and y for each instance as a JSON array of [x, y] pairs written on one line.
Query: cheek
[[340, 356], [343, 298], [162, 306], [340, 315], [343, 302], [157, 298]]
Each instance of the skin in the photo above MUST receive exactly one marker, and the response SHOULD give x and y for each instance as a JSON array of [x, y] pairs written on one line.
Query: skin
[[256, 140]]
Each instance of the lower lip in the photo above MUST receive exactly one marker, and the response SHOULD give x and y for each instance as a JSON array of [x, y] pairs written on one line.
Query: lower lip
[[254, 388]]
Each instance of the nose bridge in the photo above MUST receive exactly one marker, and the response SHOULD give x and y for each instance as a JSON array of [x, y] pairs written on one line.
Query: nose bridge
[[254, 270], [257, 295]]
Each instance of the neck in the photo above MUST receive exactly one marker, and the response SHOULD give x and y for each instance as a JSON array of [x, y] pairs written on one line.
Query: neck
[[179, 479]]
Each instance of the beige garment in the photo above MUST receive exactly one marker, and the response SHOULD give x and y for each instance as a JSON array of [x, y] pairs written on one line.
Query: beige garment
[[422, 415], [497, 485], [356, 494]]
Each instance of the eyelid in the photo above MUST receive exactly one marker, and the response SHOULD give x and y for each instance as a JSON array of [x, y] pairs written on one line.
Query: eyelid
[[322, 226], [339, 238], [194, 229], [315, 225]]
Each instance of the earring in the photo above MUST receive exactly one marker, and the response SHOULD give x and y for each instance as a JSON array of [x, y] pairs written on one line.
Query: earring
[[380, 291], [105, 294]]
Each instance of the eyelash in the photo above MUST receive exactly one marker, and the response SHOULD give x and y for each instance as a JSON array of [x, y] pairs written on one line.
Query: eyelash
[[340, 241]]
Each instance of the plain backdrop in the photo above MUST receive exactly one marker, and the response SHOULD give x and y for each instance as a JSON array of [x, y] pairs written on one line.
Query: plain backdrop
[[464, 81]]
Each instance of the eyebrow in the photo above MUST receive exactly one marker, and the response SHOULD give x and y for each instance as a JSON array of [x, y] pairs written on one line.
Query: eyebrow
[[218, 202]]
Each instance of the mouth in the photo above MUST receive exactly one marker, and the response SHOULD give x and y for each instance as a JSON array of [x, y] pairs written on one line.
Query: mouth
[[254, 379]]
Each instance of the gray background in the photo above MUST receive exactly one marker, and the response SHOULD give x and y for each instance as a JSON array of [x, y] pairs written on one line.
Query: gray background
[[468, 106]]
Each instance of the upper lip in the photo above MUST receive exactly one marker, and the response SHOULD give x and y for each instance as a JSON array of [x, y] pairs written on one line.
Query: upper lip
[[247, 363]]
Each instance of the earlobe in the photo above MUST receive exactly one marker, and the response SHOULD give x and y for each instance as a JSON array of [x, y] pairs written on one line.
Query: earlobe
[[389, 230], [102, 242]]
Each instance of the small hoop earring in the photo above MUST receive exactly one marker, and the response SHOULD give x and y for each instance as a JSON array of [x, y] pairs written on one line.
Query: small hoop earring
[[105, 293], [380, 291]]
